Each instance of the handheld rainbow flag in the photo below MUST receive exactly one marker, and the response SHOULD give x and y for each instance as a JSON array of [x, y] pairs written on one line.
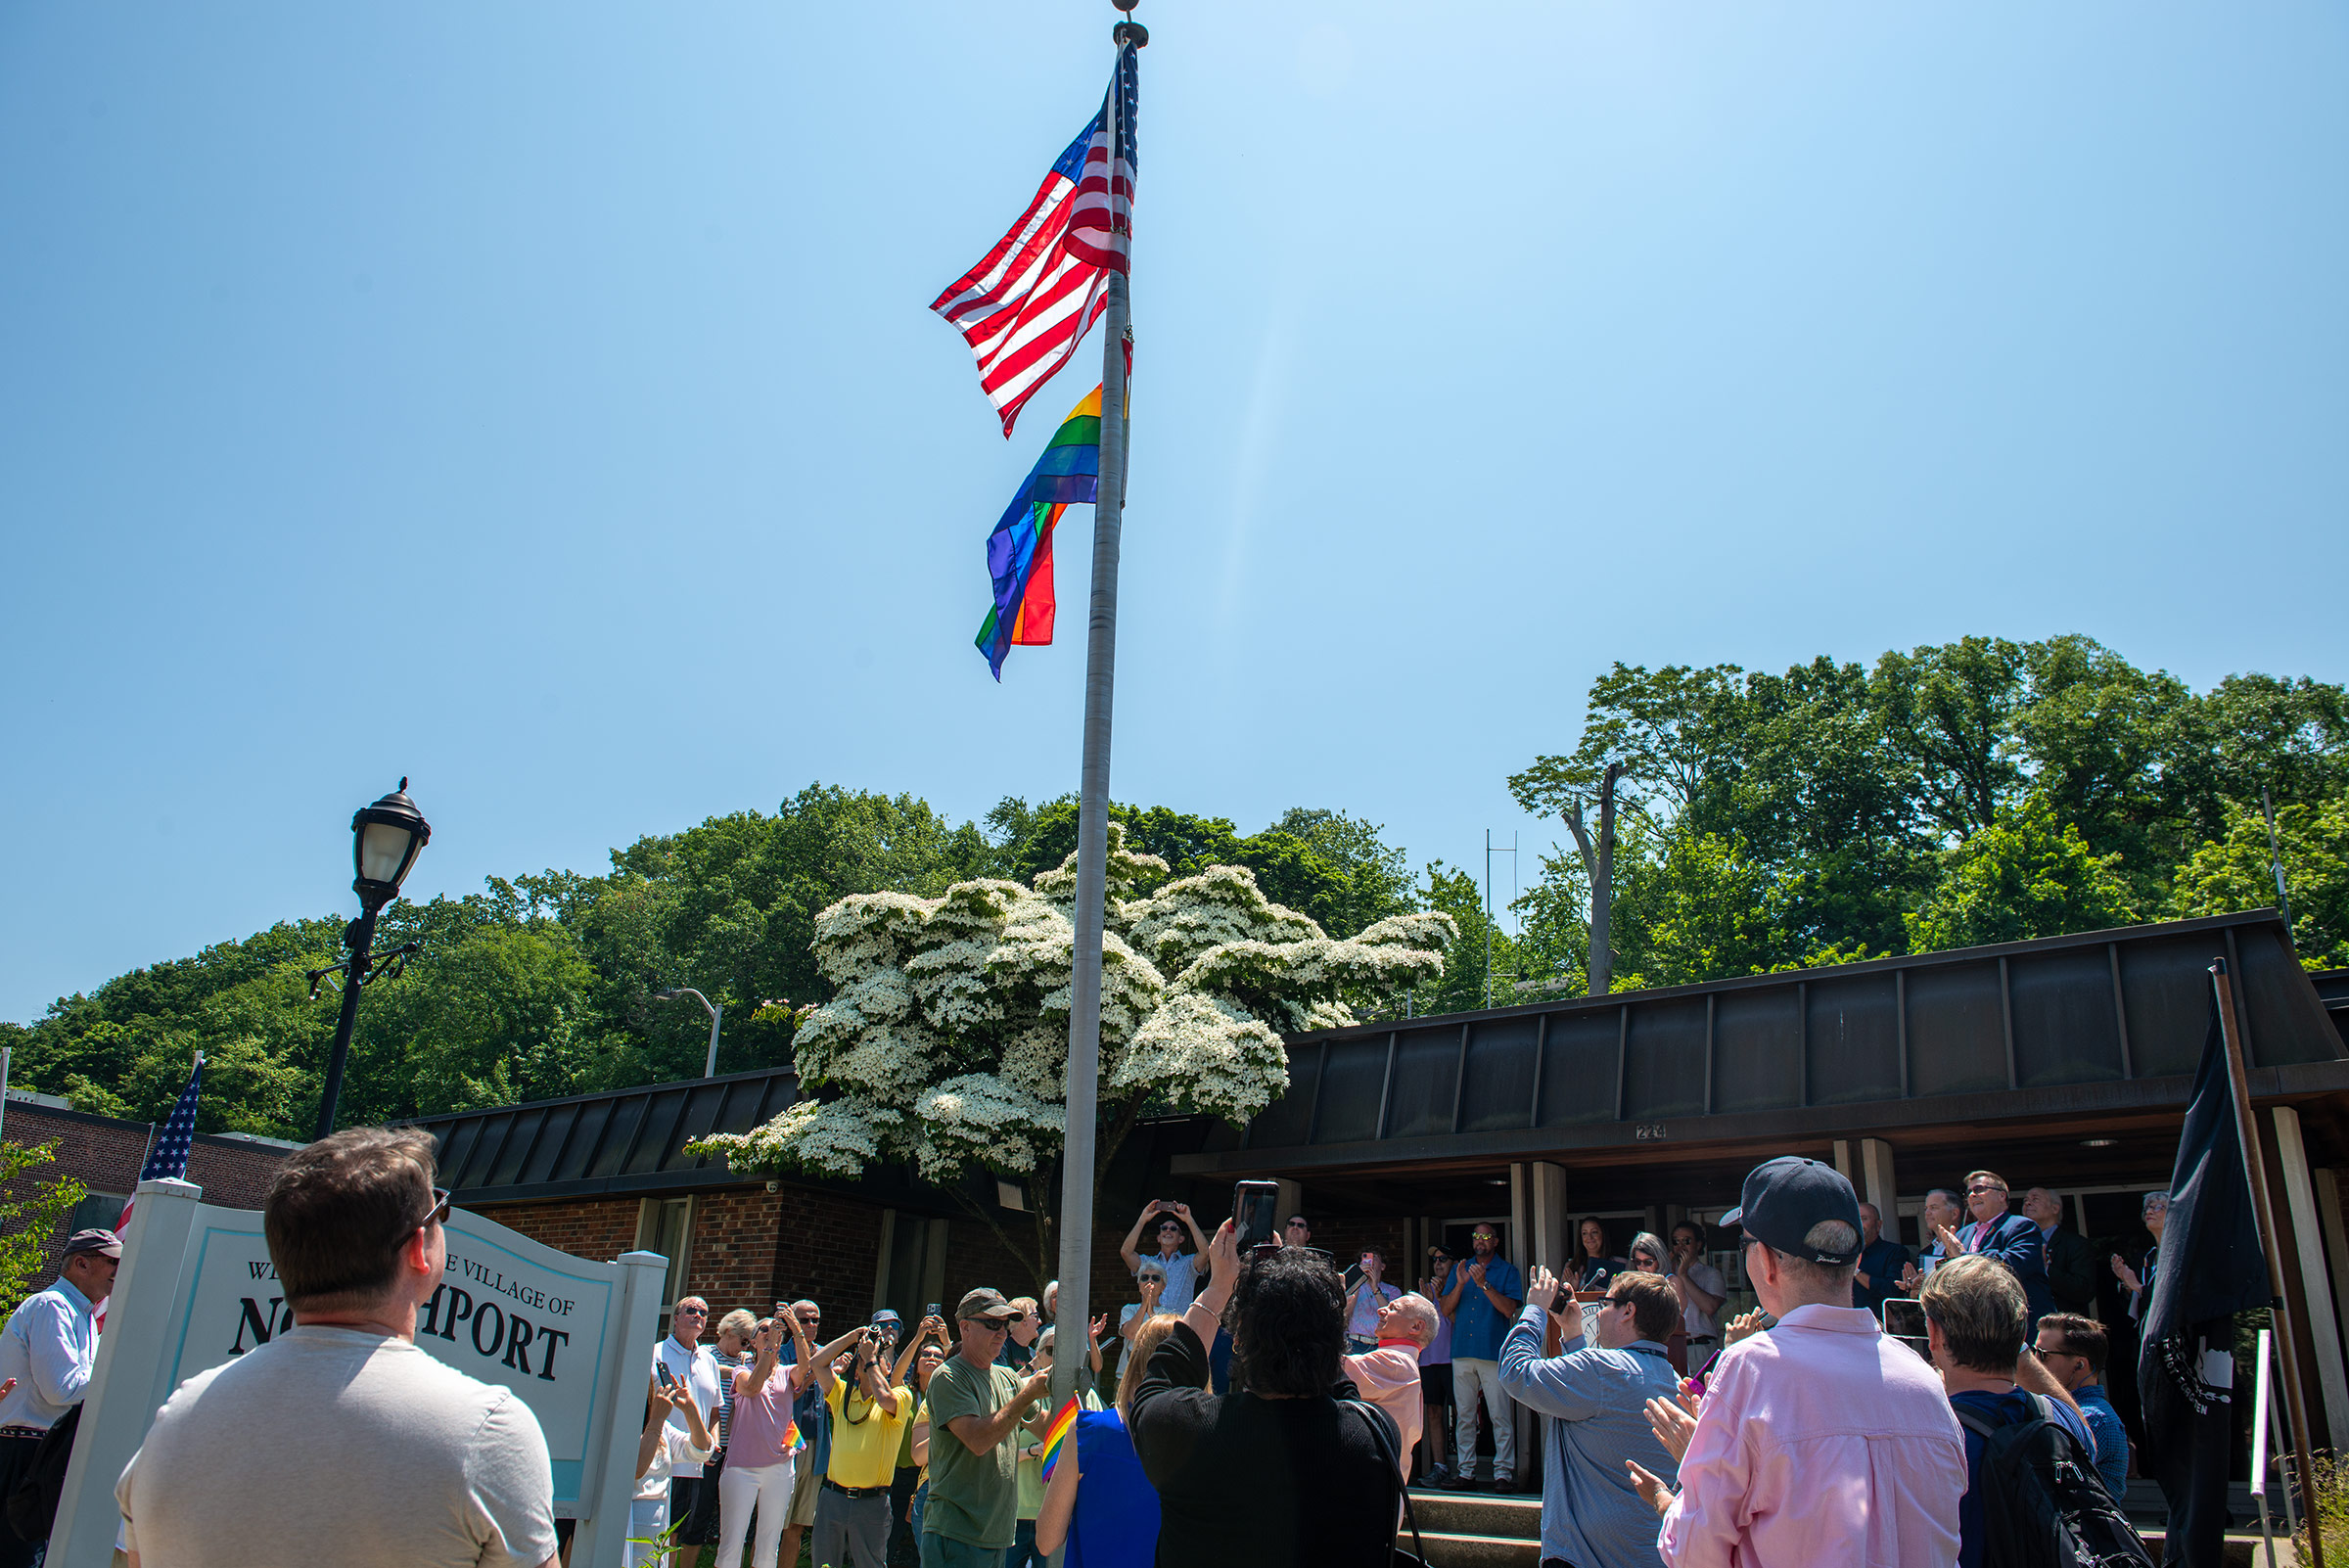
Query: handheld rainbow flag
[[1019, 553], [1064, 1421]]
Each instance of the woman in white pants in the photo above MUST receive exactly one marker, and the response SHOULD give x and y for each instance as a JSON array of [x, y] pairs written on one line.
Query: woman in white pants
[[758, 1476]]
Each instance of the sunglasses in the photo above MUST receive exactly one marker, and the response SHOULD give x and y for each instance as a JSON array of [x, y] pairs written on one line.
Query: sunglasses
[[438, 1214], [1153, 1279], [1975, 1192], [986, 1327]]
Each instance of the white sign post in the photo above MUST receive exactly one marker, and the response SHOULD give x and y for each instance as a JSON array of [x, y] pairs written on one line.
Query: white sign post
[[197, 1288]]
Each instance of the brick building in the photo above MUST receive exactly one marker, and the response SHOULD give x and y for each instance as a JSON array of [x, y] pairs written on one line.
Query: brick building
[[104, 1154], [599, 1174]]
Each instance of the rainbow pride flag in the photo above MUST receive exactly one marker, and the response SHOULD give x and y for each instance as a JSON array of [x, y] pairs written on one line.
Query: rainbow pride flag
[[1064, 1421], [1019, 553]]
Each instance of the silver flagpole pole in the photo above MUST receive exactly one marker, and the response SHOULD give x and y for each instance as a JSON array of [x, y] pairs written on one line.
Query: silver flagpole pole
[[1092, 819]]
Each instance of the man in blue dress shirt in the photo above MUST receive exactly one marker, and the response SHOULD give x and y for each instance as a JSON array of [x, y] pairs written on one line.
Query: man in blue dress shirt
[[1592, 1516], [1480, 1298]]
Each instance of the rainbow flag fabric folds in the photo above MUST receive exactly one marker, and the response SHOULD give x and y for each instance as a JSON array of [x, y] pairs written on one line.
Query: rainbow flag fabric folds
[[1064, 1421], [1019, 552]]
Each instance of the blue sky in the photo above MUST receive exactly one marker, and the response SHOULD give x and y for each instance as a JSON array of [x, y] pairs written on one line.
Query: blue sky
[[540, 402]]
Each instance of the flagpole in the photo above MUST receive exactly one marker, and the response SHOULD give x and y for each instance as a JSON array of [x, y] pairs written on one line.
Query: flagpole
[[2256, 1171], [1075, 1307]]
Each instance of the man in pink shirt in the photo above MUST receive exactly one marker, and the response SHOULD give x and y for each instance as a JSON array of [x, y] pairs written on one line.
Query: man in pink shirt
[[1388, 1375], [1820, 1441]]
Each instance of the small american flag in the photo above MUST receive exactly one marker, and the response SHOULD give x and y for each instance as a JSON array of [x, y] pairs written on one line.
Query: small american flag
[[1024, 307], [167, 1155]]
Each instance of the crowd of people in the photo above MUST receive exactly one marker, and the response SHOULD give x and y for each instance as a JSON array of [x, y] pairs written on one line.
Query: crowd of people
[[1267, 1407]]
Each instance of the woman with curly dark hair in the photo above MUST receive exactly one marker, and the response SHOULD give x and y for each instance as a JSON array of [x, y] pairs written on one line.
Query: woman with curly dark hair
[[1282, 1471]]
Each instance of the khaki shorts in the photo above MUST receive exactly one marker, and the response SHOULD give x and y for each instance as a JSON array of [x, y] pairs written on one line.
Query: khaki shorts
[[806, 1485]]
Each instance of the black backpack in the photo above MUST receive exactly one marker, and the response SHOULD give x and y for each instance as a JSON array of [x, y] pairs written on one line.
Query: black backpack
[[2043, 1504]]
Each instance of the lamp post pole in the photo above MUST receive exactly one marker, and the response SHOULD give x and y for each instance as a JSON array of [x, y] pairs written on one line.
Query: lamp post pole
[[715, 1010], [385, 839], [359, 937]]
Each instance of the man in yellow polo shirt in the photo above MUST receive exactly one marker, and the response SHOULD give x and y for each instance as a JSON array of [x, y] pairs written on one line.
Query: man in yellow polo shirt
[[868, 1422]]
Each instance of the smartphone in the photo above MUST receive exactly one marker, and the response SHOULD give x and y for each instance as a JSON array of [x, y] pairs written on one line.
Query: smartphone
[[660, 1371], [1254, 1206], [1905, 1320], [931, 1311]]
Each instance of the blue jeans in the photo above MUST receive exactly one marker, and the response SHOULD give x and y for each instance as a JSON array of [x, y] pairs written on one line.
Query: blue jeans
[[1023, 1553]]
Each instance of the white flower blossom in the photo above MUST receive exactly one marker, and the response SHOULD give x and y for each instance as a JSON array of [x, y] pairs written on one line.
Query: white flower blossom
[[947, 1041]]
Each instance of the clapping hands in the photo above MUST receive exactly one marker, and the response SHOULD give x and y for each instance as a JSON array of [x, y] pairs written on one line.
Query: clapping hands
[[1674, 1421]]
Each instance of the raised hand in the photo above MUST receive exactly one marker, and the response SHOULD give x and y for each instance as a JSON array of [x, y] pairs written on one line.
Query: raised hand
[[1183, 1211], [1097, 1328], [1543, 1286], [1947, 1237], [1913, 1279], [1673, 1425], [1652, 1489], [1742, 1326]]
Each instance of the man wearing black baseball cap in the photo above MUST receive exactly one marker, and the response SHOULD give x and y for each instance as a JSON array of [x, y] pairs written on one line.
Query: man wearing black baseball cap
[[1822, 1440]]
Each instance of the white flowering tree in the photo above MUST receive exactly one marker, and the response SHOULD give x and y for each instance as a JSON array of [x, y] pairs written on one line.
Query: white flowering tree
[[947, 1042]]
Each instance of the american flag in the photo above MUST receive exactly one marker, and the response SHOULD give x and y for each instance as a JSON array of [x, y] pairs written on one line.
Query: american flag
[[168, 1154], [1024, 307]]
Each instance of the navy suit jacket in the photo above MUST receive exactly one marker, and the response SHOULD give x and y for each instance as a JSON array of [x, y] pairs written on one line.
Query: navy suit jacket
[[2016, 1242]]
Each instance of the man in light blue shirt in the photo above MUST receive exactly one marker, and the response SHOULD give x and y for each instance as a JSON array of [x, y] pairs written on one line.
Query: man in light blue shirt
[[1480, 1298], [50, 1347], [1183, 1270], [1591, 1514]]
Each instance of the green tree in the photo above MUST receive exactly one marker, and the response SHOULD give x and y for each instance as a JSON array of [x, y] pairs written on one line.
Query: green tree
[[2029, 873], [27, 1222], [2235, 873], [1949, 716]]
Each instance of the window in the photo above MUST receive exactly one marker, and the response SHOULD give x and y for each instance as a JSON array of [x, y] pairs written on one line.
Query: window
[[665, 1225], [99, 1211]]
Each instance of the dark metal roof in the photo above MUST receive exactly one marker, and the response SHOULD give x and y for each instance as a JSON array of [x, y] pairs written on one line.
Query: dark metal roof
[[2332, 988], [2064, 1025], [625, 1141]]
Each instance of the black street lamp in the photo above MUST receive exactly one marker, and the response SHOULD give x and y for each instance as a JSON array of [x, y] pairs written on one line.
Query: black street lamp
[[386, 838]]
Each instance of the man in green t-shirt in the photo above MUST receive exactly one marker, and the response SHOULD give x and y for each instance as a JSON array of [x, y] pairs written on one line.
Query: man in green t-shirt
[[975, 1437]]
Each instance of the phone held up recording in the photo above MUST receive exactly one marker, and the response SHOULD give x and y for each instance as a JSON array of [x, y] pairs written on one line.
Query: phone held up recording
[[1254, 1216], [1905, 1320]]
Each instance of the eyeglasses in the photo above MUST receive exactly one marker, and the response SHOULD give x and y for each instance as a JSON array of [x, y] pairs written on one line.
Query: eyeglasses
[[1484, 1236], [986, 1327], [1975, 1192], [693, 1312], [1153, 1279]]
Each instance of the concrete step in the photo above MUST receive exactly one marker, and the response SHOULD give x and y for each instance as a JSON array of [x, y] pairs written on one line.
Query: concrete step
[[1445, 1550], [1475, 1513]]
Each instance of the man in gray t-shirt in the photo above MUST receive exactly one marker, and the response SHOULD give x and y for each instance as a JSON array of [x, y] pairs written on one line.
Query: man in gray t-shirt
[[339, 1441]]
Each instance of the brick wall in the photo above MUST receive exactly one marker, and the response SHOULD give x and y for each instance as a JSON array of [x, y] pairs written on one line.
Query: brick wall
[[104, 1154], [599, 1229]]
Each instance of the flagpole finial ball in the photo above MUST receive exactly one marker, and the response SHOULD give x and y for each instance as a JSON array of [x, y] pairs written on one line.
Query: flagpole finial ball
[[1125, 33]]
